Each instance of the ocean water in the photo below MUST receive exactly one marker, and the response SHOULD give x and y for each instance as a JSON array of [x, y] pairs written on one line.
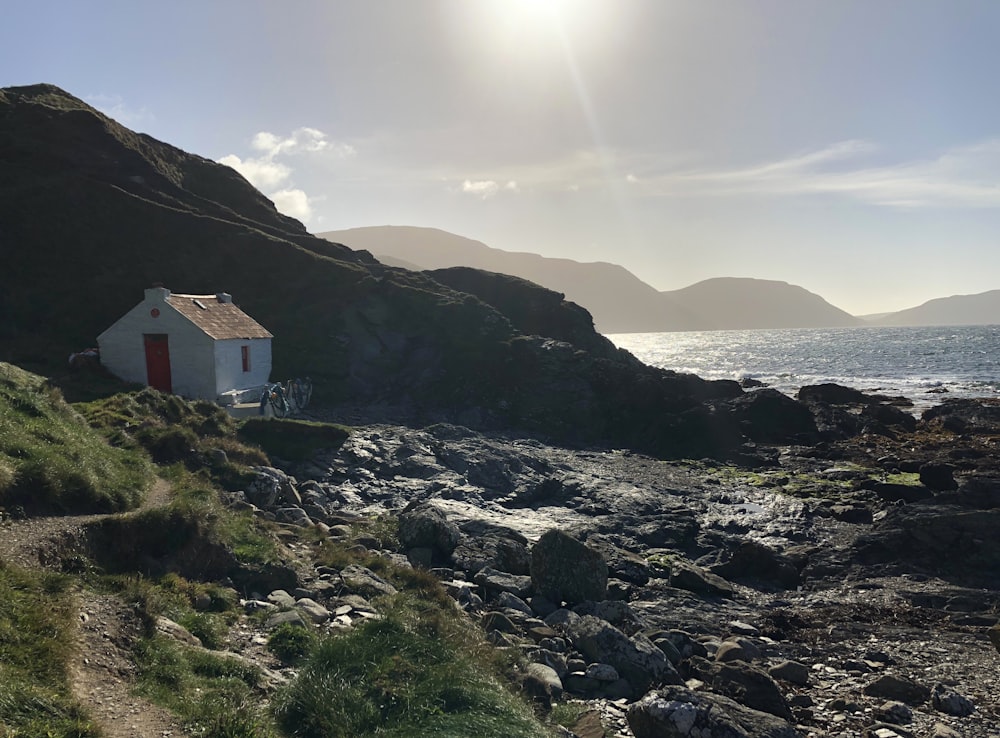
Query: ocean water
[[918, 363]]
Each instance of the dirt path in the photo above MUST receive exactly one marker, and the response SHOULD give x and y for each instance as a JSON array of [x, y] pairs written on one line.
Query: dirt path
[[102, 672]]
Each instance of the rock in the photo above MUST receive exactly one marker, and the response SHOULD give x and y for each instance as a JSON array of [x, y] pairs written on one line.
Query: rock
[[951, 702], [506, 554], [313, 610], [293, 516], [901, 492], [893, 687], [544, 679], [589, 725], [281, 598], [677, 712], [833, 394], [510, 601], [635, 658], [993, 633], [602, 672], [493, 582], [897, 713], [754, 561], [769, 416], [365, 582], [940, 730], [879, 415], [427, 526], [498, 621], [176, 631], [742, 682], [565, 570], [791, 671], [291, 617], [688, 576], [732, 651], [938, 477]]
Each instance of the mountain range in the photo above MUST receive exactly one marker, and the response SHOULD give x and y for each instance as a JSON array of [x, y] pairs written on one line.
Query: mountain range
[[620, 302]]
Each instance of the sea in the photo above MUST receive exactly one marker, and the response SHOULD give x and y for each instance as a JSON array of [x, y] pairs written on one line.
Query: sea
[[923, 364]]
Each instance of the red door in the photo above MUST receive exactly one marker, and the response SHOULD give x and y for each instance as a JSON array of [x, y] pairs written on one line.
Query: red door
[[157, 361]]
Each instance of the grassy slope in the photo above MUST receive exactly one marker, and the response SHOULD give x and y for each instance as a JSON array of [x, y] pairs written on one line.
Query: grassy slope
[[50, 459], [422, 670]]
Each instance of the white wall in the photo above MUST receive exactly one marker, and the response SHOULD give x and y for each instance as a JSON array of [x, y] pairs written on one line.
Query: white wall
[[123, 352], [229, 372]]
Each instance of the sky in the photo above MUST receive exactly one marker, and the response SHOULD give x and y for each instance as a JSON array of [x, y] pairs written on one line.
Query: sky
[[849, 147]]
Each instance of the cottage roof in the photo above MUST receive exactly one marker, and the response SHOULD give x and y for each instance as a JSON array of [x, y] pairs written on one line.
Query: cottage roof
[[217, 316]]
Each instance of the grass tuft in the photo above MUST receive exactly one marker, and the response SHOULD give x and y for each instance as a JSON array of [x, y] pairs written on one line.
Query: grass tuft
[[415, 671], [50, 460]]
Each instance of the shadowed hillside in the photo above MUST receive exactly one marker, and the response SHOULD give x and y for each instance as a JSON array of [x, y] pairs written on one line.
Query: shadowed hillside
[[92, 213]]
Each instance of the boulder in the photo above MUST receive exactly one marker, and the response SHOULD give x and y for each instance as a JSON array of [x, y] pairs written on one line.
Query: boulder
[[950, 702], [565, 570], [498, 552], [744, 683], [938, 477], [636, 658], [791, 671], [677, 712], [887, 416], [902, 689], [688, 576], [833, 394], [427, 526], [493, 582], [540, 679], [769, 416]]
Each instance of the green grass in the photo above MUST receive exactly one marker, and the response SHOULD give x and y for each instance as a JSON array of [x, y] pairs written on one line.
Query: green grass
[[50, 460], [290, 439], [36, 642], [416, 671], [172, 430], [214, 696]]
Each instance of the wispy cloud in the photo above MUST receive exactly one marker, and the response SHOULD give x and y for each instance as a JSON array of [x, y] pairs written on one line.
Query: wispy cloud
[[962, 177], [966, 176], [268, 174], [487, 188]]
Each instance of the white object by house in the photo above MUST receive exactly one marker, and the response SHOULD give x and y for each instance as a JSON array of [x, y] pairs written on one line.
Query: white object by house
[[198, 346]]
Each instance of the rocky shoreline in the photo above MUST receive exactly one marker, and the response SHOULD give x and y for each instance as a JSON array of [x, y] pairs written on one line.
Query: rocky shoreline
[[841, 588]]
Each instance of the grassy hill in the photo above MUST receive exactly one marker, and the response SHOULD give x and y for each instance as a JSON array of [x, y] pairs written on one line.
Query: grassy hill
[[92, 213]]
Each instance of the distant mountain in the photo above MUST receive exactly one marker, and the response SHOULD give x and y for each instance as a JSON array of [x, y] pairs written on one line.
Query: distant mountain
[[734, 303], [619, 301], [980, 309]]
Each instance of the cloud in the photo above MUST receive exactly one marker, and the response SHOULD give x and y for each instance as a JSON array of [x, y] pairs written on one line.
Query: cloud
[[292, 202], [262, 173], [266, 173], [487, 188], [961, 177]]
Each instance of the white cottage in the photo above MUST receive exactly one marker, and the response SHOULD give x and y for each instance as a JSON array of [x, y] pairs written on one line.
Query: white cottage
[[198, 346]]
